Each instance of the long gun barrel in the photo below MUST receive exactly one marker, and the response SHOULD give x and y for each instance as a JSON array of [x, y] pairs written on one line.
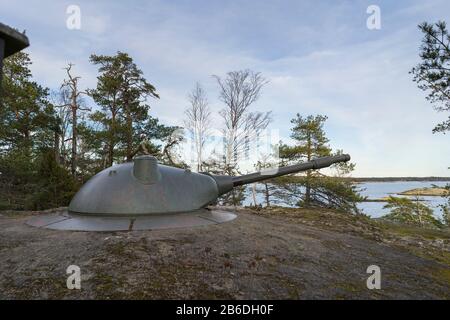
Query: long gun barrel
[[277, 172], [226, 183]]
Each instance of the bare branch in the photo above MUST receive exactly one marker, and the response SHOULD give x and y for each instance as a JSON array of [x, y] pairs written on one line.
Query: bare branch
[[198, 116], [238, 91]]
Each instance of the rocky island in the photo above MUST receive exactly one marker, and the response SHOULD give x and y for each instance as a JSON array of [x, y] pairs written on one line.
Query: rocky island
[[432, 191]]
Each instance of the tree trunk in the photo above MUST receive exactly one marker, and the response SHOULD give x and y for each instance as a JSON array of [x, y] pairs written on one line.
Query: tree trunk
[[307, 201], [198, 143], [129, 137], [267, 194], [112, 139], [254, 193], [73, 163], [307, 190], [233, 196], [56, 148]]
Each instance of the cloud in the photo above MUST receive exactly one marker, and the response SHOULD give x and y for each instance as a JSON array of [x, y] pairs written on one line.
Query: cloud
[[319, 58]]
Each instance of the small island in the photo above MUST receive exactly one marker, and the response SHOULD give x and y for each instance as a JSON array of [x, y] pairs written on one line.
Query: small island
[[427, 191], [385, 199], [433, 191]]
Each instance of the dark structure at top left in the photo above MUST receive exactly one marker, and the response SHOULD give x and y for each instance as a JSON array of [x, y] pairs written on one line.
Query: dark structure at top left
[[11, 41]]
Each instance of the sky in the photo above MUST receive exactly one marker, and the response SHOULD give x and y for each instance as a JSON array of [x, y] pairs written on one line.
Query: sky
[[319, 57]]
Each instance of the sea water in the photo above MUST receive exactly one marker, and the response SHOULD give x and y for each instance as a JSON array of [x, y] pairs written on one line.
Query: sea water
[[377, 190]]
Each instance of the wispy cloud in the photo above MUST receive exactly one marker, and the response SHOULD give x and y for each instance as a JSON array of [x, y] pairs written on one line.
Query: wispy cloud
[[318, 56]]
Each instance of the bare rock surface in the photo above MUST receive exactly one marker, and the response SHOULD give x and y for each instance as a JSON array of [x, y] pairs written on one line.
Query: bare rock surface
[[267, 254]]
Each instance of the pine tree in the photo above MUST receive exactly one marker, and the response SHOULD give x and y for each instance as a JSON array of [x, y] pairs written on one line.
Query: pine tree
[[121, 92], [311, 142], [26, 112], [410, 211], [432, 74], [29, 128], [314, 188]]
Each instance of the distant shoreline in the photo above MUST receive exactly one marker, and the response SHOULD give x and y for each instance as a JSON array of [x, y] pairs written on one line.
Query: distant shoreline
[[394, 179]]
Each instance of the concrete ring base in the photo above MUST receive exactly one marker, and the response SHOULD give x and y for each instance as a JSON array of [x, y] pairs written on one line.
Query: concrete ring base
[[76, 222]]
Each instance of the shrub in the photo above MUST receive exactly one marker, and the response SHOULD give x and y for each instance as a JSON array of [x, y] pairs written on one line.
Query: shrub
[[412, 212]]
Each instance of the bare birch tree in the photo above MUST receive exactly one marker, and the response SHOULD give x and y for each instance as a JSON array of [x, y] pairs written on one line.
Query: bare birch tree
[[238, 91], [198, 118]]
